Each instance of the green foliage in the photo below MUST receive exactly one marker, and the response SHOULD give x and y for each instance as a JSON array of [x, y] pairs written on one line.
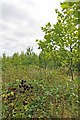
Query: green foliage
[[78, 66], [61, 41], [42, 100], [28, 58], [15, 96]]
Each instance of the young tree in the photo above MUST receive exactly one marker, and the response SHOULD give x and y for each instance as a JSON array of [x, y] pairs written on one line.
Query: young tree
[[61, 40]]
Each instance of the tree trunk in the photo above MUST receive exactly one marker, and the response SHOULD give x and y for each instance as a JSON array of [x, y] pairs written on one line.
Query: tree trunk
[[71, 66], [72, 76]]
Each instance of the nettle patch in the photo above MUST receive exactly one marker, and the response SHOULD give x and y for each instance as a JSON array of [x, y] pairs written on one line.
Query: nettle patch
[[40, 99], [15, 96]]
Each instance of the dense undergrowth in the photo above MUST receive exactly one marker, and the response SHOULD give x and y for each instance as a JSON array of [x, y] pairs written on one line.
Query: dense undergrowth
[[34, 92]]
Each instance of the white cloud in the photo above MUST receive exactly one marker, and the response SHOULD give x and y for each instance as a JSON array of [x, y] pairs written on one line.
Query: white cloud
[[21, 21]]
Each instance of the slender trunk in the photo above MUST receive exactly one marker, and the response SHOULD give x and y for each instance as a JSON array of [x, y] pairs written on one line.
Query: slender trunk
[[71, 66], [72, 76]]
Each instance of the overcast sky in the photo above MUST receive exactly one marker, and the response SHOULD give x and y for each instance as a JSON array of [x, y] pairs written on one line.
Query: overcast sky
[[21, 21]]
